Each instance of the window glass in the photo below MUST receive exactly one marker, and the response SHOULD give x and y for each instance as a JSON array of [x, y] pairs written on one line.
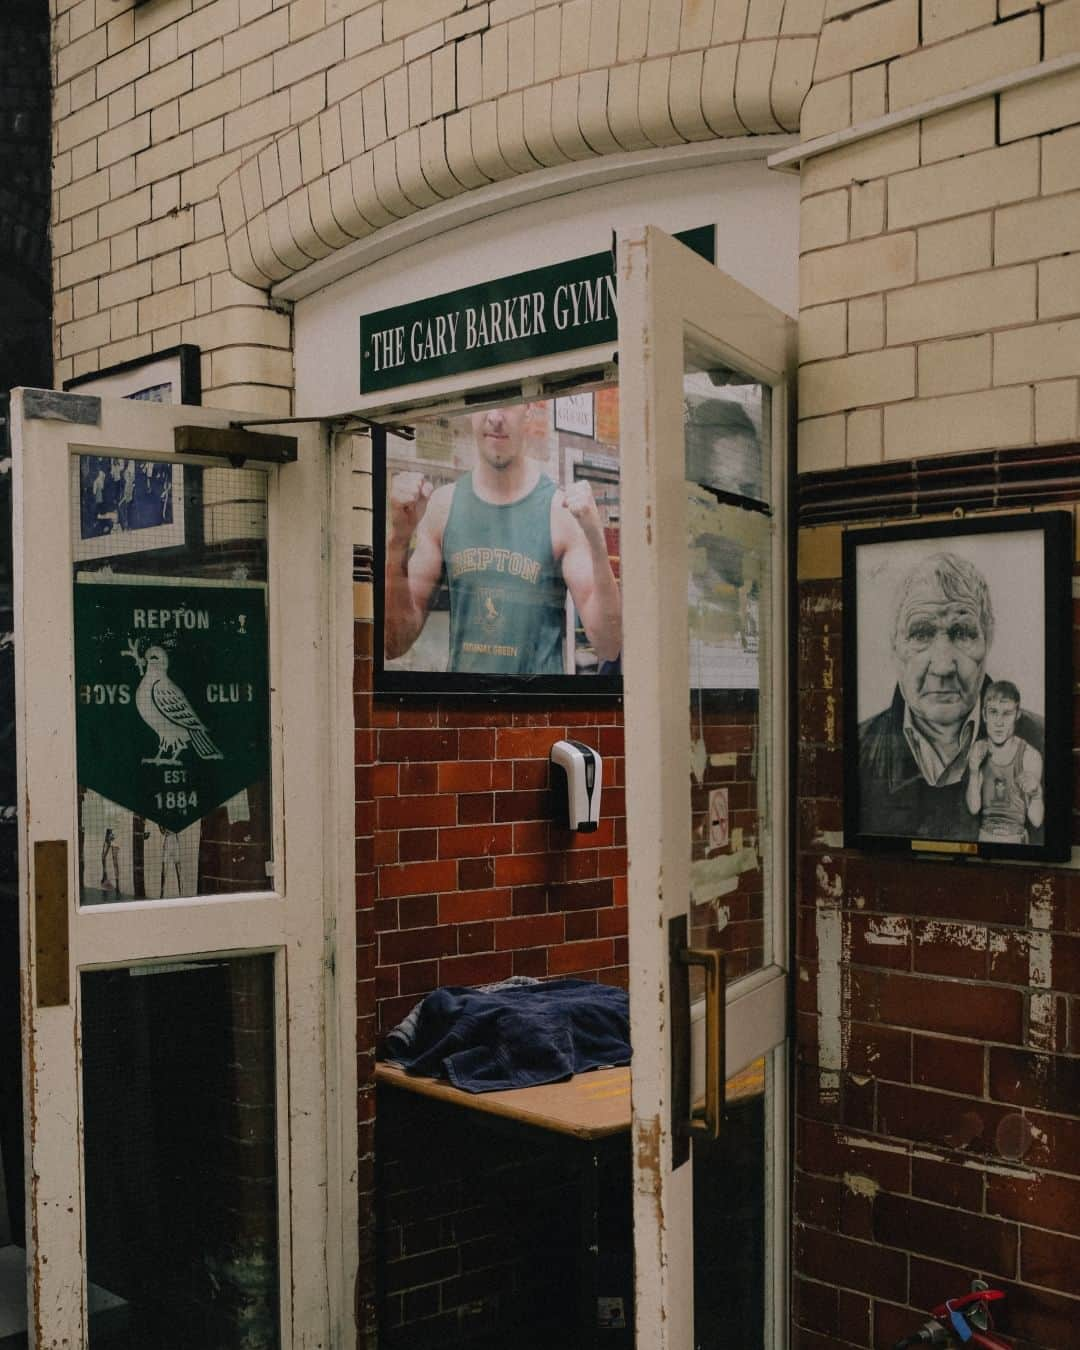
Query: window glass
[[734, 1190], [727, 456], [501, 541], [181, 1155], [172, 690]]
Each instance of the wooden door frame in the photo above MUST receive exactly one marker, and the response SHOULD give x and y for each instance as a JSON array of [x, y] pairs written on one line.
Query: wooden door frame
[[664, 291], [311, 568]]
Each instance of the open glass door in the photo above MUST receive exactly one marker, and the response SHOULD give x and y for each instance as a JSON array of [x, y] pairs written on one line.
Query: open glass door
[[171, 619], [703, 406]]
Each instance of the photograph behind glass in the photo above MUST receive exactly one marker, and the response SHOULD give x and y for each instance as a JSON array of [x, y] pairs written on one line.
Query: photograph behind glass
[[500, 545]]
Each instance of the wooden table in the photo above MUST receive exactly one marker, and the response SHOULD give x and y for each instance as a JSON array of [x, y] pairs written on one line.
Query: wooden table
[[589, 1112], [587, 1106]]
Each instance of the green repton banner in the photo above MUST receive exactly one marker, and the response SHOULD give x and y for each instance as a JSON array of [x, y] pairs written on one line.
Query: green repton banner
[[171, 694], [551, 309]]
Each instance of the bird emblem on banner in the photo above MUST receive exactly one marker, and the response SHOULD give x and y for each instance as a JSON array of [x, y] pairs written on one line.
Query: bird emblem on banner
[[167, 711]]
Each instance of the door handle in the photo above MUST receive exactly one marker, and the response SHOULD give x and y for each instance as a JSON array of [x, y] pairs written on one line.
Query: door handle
[[704, 1121]]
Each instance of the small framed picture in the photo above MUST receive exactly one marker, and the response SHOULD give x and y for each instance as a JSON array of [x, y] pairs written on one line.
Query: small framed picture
[[127, 505], [576, 413], [170, 376], [957, 686]]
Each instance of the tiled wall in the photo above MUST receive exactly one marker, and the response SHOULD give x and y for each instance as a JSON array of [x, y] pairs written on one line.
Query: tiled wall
[[473, 880], [939, 1017], [938, 1137], [463, 878], [481, 1232], [203, 148], [206, 148], [940, 269]]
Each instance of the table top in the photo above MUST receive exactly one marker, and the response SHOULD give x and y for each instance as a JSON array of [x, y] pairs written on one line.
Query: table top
[[587, 1106]]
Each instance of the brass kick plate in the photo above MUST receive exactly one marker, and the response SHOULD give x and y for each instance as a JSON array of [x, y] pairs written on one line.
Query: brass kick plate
[[53, 986]]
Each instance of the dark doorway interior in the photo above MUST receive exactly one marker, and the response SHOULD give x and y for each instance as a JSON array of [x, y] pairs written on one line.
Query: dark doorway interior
[[25, 359]]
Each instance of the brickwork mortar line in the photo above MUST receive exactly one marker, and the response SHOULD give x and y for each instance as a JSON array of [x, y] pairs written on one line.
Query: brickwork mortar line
[[788, 161]]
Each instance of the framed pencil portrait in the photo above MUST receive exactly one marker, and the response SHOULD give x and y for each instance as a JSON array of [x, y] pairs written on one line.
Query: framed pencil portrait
[[957, 642]]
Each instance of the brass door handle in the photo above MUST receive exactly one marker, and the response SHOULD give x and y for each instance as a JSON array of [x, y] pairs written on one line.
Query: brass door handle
[[704, 1122]]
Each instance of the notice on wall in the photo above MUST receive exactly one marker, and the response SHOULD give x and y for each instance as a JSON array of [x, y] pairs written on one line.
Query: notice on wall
[[171, 694]]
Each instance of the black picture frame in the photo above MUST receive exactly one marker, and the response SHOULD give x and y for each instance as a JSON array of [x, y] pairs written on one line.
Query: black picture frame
[[180, 365], [1008, 603], [404, 685], [170, 376]]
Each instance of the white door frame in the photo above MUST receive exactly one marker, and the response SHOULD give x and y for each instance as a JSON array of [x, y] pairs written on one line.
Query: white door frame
[[306, 914], [664, 291]]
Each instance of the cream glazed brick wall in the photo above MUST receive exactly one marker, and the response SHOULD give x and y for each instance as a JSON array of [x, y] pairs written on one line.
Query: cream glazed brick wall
[[141, 140], [940, 267], [426, 99], [204, 149]]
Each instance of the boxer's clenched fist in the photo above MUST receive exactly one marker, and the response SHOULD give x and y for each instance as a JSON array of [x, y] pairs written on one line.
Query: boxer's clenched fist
[[1030, 783], [579, 501], [409, 495]]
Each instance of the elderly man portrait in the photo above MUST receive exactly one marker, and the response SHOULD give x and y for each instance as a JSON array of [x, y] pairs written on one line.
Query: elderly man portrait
[[913, 756]]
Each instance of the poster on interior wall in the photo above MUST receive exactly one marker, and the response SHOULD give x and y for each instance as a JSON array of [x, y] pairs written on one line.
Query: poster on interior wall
[[497, 553], [957, 686]]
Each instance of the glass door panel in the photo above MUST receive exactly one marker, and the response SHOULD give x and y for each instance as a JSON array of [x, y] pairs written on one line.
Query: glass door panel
[[179, 1121], [170, 566], [728, 438], [177, 1099], [735, 1196]]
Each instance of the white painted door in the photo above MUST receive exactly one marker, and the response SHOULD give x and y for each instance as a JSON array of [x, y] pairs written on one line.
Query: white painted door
[[703, 369], [176, 686]]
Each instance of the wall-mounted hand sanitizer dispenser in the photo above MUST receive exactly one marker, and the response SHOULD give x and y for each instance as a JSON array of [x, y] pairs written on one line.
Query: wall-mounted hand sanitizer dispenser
[[577, 773]]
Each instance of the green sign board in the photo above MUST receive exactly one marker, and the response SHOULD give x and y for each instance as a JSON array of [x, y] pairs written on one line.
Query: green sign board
[[551, 309], [171, 694]]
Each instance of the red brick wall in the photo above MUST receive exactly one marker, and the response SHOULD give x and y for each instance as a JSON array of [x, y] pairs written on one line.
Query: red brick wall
[[480, 1234], [938, 1134], [735, 924], [462, 878], [473, 881]]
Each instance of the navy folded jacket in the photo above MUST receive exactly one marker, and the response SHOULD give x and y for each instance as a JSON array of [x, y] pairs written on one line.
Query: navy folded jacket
[[519, 1035]]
